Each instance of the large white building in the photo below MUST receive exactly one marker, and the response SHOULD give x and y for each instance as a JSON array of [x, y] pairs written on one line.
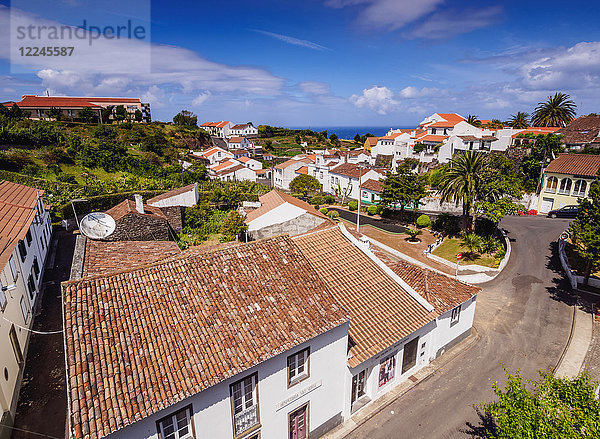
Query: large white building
[[25, 234]]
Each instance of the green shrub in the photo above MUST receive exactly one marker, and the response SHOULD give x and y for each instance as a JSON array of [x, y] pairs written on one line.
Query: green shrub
[[323, 210], [423, 221], [328, 199], [317, 199], [333, 214], [353, 205], [447, 224], [372, 209]]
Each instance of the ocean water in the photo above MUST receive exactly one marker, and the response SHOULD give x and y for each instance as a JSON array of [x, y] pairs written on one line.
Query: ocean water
[[348, 132]]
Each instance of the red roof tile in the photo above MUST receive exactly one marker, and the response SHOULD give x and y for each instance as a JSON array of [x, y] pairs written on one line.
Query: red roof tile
[[302, 170], [275, 198], [586, 165], [144, 339], [373, 185], [127, 207]]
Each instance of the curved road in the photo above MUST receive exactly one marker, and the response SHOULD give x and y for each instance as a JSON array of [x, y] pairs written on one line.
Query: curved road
[[524, 319]]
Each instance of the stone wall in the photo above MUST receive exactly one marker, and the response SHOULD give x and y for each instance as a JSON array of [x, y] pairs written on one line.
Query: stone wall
[[134, 227], [174, 215], [295, 226]]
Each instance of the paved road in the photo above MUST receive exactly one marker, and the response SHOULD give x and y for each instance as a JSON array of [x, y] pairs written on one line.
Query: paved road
[[523, 317], [384, 224]]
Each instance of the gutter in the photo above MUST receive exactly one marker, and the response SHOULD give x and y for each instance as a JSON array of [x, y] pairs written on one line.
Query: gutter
[[387, 269]]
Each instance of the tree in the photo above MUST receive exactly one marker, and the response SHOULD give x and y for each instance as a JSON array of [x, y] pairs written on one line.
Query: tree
[[120, 113], [558, 111], [138, 115], [106, 113], [461, 182], [585, 230], [471, 242], [403, 187], [15, 112], [554, 408], [298, 139], [185, 118], [413, 233], [357, 139], [305, 184], [473, 120], [54, 113], [233, 224], [86, 114], [519, 120]]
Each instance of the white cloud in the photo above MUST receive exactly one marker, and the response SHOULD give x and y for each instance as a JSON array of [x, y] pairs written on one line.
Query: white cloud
[[411, 92], [292, 40], [202, 98], [315, 88], [388, 14], [449, 23], [156, 96], [379, 99]]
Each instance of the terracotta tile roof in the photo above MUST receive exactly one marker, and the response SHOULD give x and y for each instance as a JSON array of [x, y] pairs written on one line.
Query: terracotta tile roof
[[381, 312], [244, 159], [144, 339], [537, 130], [433, 138], [32, 101], [275, 198], [127, 207], [444, 124], [584, 129], [220, 124], [240, 126], [236, 139], [103, 257], [354, 153], [17, 212], [238, 151], [586, 165], [452, 117], [489, 138], [287, 163], [469, 138], [302, 170], [443, 292], [173, 193], [372, 141], [349, 170], [231, 169], [373, 185], [391, 137]]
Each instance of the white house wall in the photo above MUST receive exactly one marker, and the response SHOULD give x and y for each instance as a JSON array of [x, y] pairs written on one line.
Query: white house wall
[[447, 335], [324, 391], [280, 214], [188, 199]]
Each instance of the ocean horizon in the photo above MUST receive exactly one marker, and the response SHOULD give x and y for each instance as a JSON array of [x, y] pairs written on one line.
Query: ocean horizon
[[348, 132]]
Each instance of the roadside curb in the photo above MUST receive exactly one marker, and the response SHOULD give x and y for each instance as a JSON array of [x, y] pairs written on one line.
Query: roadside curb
[[578, 344], [354, 422], [568, 343]]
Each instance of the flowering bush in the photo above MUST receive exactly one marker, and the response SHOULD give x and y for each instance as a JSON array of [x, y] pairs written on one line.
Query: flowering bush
[[532, 212]]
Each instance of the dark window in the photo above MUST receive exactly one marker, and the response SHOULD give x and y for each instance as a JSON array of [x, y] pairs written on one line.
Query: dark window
[[36, 267], [455, 316], [28, 237], [22, 250], [409, 357], [31, 286], [15, 344], [244, 402]]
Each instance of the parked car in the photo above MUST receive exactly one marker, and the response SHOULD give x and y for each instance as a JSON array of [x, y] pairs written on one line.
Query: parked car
[[565, 212]]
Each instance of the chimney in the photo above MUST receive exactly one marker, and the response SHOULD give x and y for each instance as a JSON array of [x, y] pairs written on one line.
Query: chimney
[[139, 204]]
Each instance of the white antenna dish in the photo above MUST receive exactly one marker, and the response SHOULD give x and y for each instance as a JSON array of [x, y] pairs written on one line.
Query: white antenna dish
[[97, 225]]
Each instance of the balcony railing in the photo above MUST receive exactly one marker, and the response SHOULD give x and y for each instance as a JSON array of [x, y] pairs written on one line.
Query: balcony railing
[[245, 420]]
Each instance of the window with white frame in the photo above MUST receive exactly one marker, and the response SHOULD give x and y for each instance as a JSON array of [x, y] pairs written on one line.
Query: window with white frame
[[13, 268], [565, 186], [579, 188], [2, 298], [25, 310], [297, 365], [551, 185], [455, 316], [244, 404], [177, 425]]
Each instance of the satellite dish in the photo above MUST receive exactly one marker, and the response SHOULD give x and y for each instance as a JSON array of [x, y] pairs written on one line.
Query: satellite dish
[[97, 225]]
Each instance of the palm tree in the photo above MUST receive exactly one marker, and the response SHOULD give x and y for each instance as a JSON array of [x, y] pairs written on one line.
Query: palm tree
[[557, 111], [519, 120], [472, 243], [461, 182], [473, 120]]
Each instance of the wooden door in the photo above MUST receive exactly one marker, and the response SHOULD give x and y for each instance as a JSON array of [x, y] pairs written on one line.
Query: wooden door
[[298, 423]]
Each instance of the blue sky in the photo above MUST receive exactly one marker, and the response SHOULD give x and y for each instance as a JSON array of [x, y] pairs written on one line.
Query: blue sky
[[316, 63]]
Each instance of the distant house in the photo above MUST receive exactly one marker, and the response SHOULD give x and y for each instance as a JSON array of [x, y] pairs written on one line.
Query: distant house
[[244, 130], [344, 179], [238, 172], [281, 213], [285, 172], [267, 156], [567, 178], [581, 132], [218, 129], [239, 143], [136, 221], [25, 235], [39, 106], [518, 134], [250, 163], [370, 142], [239, 342], [237, 153], [213, 155]]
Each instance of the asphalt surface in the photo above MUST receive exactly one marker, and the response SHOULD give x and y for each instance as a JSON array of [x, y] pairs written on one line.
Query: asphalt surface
[[523, 317], [384, 224]]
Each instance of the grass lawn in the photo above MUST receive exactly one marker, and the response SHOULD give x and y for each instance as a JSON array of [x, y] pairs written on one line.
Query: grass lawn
[[451, 247]]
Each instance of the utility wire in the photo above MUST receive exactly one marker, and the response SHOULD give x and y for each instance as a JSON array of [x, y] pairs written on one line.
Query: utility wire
[[32, 330]]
